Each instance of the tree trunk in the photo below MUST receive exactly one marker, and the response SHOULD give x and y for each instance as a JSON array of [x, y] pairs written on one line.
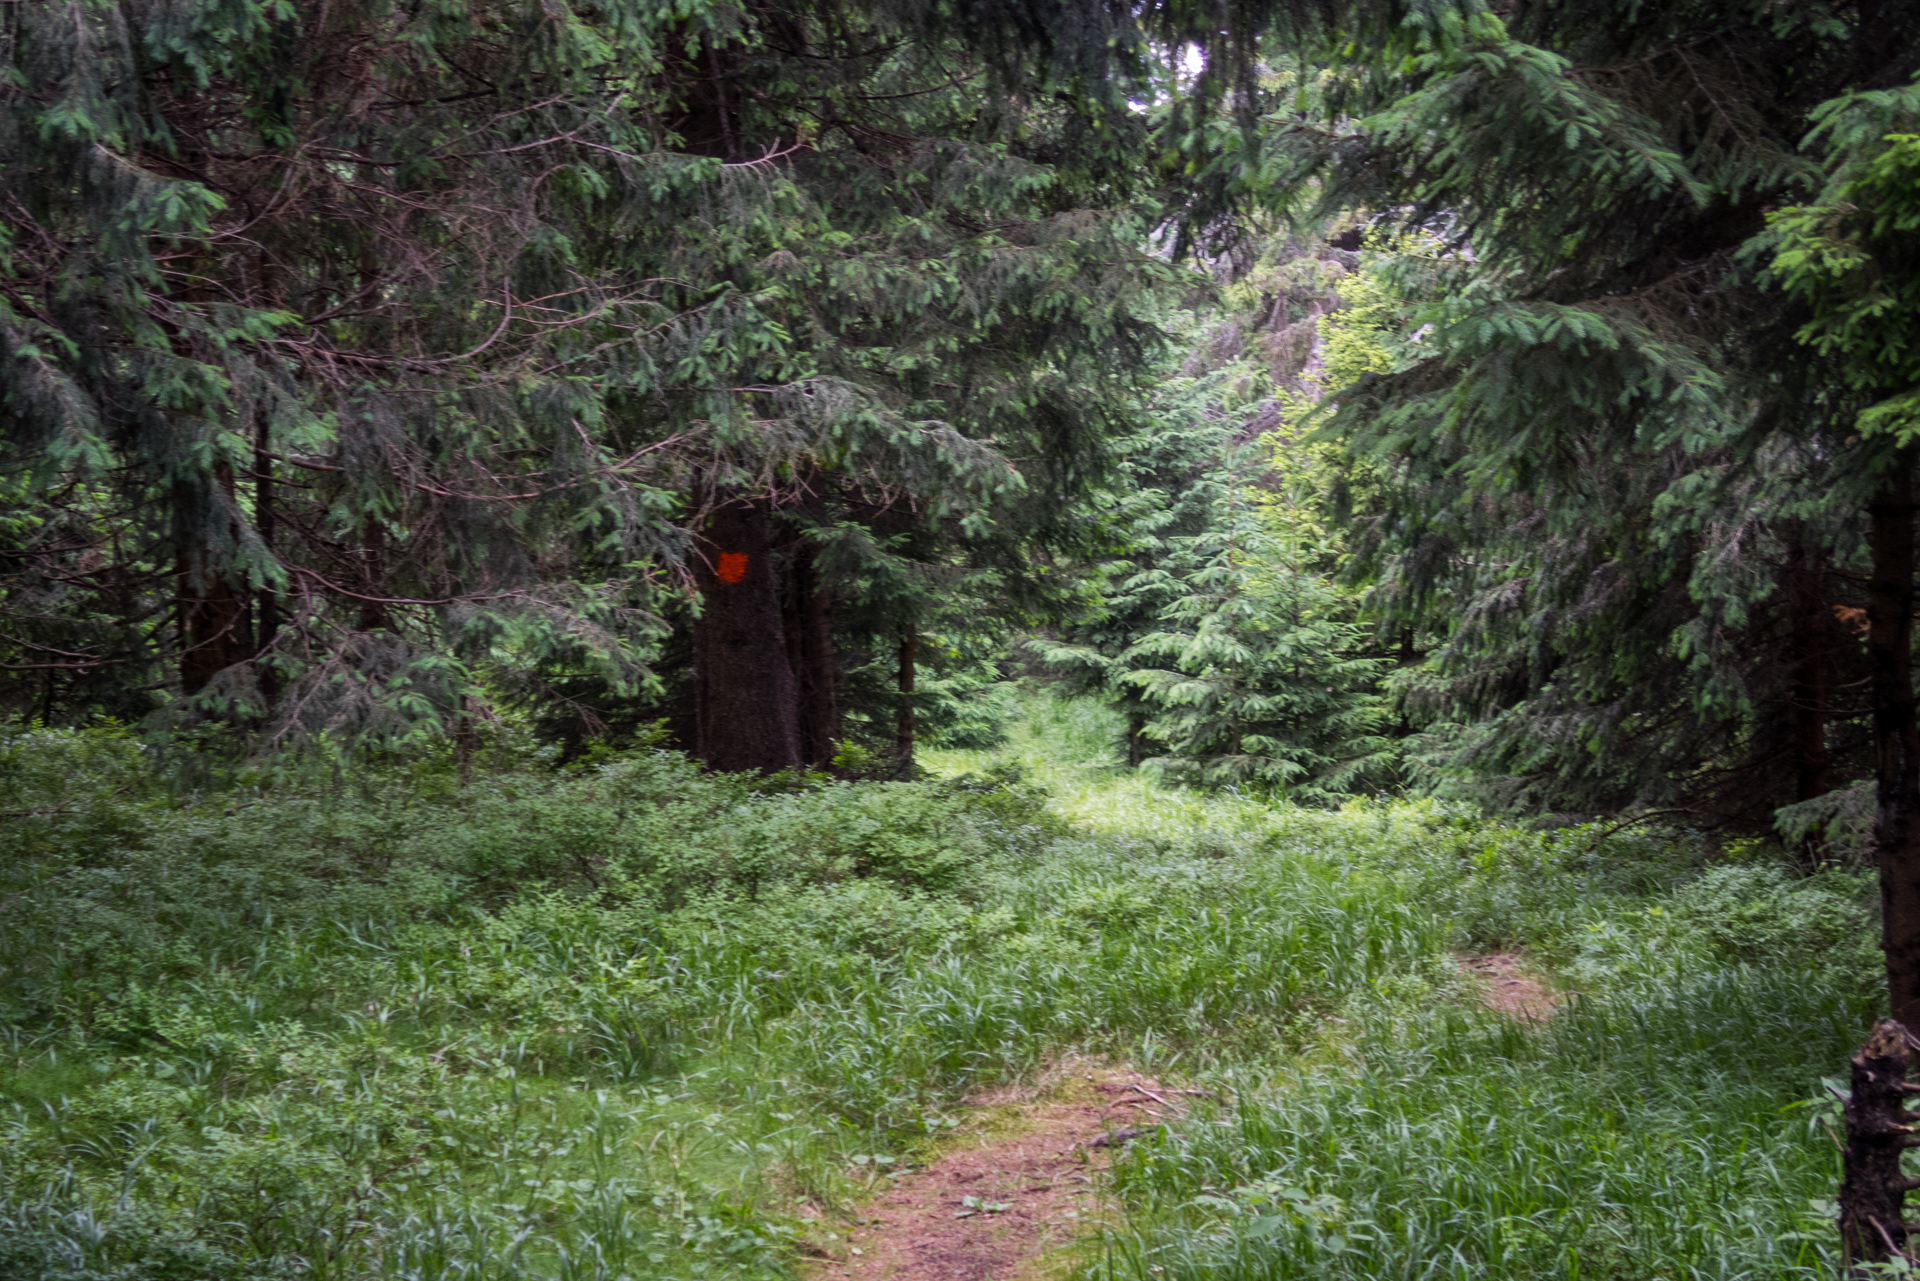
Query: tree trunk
[[213, 616], [745, 698], [465, 740], [373, 553], [267, 626], [1896, 828], [1136, 738], [810, 651], [1807, 685], [1873, 1188], [903, 724], [1408, 656]]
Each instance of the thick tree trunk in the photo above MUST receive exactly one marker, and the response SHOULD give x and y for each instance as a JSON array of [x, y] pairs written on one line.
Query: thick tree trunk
[[745, 698], [1873, 1188], [214, 623], [1896, 828], [903, 723]]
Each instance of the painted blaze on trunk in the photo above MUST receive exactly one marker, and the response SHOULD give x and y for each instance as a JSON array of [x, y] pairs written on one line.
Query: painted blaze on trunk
[[745, 696]]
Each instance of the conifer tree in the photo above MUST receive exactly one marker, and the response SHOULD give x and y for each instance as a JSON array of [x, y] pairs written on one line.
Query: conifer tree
[[363, 360], [1258, 672], [1222, 627], [1852, 257], [1619, 483]]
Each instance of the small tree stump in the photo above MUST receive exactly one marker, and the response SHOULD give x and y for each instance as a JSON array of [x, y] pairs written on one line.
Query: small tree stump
[[1873, 1189]]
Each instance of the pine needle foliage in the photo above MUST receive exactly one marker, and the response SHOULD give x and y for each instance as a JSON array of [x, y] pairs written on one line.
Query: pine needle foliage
[[1224, 637], [364, 361], [1616, 482]]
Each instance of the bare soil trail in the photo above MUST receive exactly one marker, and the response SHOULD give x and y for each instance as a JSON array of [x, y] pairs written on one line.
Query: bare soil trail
[[1023, 1179], [1510, 989], [1026, 1176]]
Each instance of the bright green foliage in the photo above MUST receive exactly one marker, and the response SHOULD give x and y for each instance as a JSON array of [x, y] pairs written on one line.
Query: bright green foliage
[[1852, 255], [1223, 637], [1165, 500], [1260, 674]]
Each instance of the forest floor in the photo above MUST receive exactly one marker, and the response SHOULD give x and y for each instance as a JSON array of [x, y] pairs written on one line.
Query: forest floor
[[1347, 1042], [1510, 985]]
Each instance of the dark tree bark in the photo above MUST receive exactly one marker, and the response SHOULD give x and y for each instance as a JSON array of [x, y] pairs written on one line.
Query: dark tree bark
[[465, 741], [1873, 1188], [213, 616], [1896, 828], [745, 698], [214, 622], [373, 553], [267, 624], [809, 623], [1807, 684], [903, 723], [1136, 739]]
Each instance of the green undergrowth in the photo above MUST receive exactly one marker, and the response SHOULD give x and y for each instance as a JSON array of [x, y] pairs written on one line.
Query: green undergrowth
[[628, 1020]]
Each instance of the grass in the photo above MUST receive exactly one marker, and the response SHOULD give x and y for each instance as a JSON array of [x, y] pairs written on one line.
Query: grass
[[625, 1022], [1667, 1123]]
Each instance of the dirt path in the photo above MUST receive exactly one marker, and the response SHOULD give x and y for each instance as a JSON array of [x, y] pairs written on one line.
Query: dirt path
[[1509, 988], [1020, 1181], [1026, 1175]]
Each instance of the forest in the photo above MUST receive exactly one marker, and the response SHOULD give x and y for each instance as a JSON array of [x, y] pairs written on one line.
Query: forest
[[643, 641]]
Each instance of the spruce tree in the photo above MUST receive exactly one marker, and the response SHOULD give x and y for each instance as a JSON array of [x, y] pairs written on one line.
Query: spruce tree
[[1851, 256], [366, 361], [1258, 673], [1618, 482]]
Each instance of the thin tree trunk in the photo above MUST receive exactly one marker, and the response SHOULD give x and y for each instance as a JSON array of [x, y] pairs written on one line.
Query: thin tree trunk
[[1407, 658], [1136, 738], [373, 552], [465, 740], [746, 699], [1807, 690], [903, 724], [810, 644], [267, 626], [1896, 828], [213, 615]]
